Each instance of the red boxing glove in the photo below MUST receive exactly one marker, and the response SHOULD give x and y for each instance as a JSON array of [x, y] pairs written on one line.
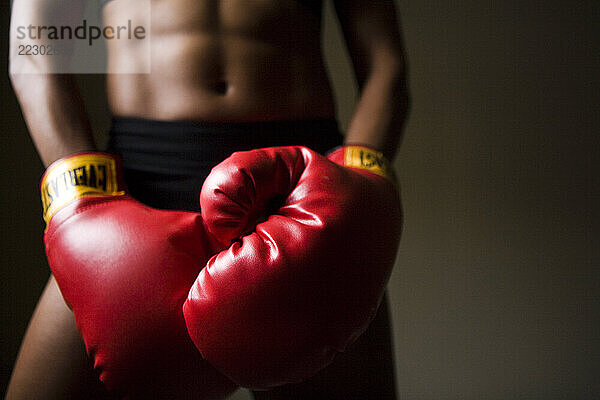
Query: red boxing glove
[[125, 270], [294, 290]]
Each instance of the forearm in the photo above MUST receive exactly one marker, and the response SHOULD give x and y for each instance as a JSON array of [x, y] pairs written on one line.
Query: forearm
[[381, 109], [374, 43], [51, 103], [54, 113]]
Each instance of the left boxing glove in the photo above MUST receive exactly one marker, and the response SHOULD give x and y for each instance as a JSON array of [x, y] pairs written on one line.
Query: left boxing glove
[[125, 270], [314, 242]]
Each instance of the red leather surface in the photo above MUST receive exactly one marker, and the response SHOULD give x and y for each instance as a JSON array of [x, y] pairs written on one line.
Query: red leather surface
[[301, 285], [125, 269]]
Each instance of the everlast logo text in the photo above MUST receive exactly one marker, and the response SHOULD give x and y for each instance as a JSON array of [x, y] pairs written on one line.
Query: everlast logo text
[[91, 176], [370, 160], [77, 176], [81, 175]]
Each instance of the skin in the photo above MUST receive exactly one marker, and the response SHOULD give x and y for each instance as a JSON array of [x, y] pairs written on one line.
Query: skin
[[227, 60]]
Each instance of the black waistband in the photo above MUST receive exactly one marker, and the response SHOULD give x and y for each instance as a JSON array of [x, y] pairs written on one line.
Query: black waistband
[[165, 146], [314, 6]]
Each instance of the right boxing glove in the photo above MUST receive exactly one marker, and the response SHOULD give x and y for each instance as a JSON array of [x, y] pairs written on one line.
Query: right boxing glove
[[125, 270]]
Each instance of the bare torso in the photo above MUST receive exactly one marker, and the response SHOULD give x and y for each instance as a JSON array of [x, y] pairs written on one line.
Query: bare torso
[[223, 60]]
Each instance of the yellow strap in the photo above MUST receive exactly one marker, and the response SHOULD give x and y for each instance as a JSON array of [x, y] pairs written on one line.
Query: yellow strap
[[368, 159], [81, 175]]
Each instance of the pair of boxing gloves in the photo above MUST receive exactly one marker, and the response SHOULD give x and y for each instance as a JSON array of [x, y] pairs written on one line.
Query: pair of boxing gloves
[[283, 268]]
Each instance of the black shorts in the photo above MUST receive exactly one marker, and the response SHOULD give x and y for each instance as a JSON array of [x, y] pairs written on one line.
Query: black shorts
[[166, 162]]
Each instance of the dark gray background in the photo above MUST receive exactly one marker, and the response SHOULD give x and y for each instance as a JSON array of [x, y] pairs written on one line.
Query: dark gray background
[[495, 293]]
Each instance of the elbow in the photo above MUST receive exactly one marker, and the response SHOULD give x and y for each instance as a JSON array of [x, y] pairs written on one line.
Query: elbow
[[17, 68], [24, 73], [17, 63], [18, 80], [15, 78], [12, 67]]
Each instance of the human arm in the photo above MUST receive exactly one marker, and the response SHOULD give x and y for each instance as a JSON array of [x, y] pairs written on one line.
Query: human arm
[[52, 363], [374, 42], [51, 103]]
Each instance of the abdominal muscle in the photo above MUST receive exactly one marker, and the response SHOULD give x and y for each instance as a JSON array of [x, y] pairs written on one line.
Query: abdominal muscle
[[223, 60]]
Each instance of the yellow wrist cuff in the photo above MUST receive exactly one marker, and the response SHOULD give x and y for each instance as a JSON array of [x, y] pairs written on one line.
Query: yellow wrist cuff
[[362, 157], [77, 176]]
